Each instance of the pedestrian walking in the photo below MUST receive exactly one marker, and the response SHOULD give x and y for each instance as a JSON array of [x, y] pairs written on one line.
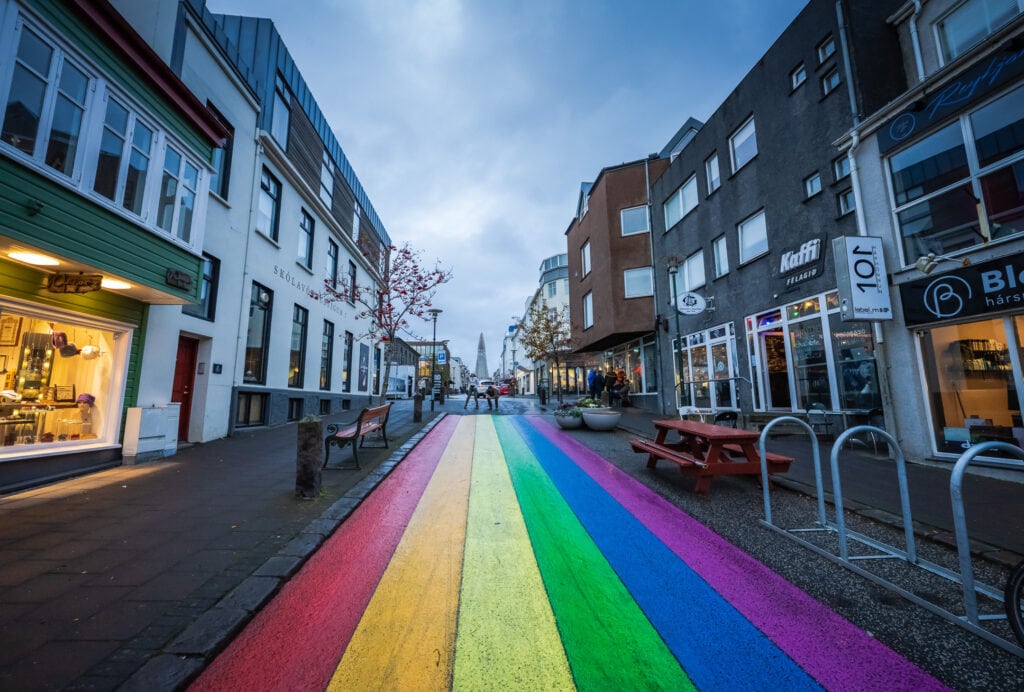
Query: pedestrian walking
[[472, 392]]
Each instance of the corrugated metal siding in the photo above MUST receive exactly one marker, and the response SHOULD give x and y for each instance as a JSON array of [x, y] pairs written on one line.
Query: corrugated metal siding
[[71, 225], [305, 149], [123, 74]]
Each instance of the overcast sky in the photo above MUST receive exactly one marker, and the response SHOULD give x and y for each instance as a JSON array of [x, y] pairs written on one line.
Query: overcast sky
[[472, 123]]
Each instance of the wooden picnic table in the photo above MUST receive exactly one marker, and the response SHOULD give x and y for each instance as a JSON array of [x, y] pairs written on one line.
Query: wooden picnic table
[[705, 450]]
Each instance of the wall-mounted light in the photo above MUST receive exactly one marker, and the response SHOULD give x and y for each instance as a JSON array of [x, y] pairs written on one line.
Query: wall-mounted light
[[926, 264], [114, 284], [34, 258]]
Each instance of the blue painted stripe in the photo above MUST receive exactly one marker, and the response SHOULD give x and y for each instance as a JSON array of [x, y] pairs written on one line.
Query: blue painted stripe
[[714, 643]]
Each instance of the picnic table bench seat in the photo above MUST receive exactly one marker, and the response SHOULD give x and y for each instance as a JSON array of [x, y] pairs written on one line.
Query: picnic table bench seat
[[660, 451], [372, 419], [777, 463]]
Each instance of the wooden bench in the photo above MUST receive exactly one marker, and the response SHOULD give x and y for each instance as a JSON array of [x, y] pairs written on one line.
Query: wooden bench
[[777, 463], [371, 419], [657, 451]]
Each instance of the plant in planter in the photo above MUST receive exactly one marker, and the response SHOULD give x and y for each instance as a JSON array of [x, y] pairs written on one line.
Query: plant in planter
[[601, 419], [587, 402], [569, 417]]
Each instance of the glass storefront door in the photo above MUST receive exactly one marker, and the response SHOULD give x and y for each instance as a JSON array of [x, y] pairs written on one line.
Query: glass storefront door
[[973, 376], [707, 377]]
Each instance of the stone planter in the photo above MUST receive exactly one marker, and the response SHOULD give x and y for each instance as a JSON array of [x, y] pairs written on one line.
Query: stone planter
[[569, 422], [601, 419]]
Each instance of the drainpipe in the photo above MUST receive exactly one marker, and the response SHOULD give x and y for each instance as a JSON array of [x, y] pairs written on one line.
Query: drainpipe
[[915, 41], [845, 47], [654, 282]]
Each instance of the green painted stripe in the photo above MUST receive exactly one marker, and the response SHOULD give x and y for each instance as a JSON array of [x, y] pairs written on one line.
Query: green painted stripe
[[609, 641], [507, 638]]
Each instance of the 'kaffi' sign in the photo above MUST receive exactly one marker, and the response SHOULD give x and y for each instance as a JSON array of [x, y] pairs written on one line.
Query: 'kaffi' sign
[[73, 283]]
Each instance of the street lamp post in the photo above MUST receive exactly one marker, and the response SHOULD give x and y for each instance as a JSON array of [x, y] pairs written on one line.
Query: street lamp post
[[515, 370], [673, 270], [434, 312]]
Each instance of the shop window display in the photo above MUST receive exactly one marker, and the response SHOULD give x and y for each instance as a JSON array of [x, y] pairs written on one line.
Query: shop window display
[[55, 382], [972, 385]]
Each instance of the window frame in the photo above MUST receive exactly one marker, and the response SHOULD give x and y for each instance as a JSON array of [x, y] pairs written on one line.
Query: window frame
[[732, 144], [714, 180], [346, 362], [326, 355], [740, 231], [353, 276], [585, 259], [678, 199], [297, 357], [840, 168], [720, 256], [281, 113], [797, 76], [845, 201], [220, 179], [267, 182], [327, 175], [206, 308], [333, 257], [825, 49], [688, 270], [588, 310], [257, 301], [809, 189], [941, 42], [830, 81], [648, 277], [307, 233], [622, 220]]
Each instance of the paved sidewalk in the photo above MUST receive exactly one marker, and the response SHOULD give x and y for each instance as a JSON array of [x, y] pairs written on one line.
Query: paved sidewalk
[[133, 577]]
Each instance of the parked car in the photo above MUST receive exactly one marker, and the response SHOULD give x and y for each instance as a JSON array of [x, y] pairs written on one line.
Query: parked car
[[503, 389], [482, 385]]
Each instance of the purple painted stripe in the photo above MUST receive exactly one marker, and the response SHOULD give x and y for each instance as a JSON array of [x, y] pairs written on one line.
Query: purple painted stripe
[[836, 653]]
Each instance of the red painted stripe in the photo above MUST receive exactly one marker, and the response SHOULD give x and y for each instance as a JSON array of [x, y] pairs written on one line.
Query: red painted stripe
[[295, 642]]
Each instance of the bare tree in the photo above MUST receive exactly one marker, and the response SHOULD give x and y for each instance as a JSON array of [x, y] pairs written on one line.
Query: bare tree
[[545, 335], [406, 290]]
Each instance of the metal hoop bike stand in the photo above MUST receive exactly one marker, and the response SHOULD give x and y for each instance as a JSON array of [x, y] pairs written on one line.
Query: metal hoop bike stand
[[970, 620]]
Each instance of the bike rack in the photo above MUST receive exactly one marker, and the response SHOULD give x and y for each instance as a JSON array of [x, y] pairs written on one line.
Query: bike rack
[[970, 620]]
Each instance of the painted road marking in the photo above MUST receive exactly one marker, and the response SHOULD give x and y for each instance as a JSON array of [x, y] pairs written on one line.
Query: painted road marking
[[507, 638]]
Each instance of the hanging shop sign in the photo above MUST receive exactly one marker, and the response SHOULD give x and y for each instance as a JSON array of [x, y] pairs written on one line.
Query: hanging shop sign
[[73, 283], [691, 304], [178, 279], [861, 279], [991, 287], [802, 263], [987, 76]]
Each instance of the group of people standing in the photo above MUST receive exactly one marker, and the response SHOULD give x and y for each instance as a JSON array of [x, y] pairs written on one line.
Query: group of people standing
[[614, 383]]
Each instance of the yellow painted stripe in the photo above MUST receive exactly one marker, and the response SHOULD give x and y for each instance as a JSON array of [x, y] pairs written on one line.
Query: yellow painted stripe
[[406, 637], [507, 637]]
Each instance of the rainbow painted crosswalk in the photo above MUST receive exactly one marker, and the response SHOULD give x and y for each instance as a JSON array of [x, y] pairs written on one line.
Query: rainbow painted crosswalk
[[503, 555]]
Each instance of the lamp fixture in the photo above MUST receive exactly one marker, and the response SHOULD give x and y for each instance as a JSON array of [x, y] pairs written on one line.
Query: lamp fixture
[[33, 258], [926, 264], [114, 284]]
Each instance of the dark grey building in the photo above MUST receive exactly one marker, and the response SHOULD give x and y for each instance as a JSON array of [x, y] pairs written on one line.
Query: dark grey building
[[744, 216]]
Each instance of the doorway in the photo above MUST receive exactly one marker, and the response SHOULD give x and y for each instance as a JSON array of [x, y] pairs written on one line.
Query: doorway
[[184, 380]]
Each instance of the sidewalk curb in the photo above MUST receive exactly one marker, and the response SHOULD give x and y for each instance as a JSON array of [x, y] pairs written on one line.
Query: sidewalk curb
[[186, 657]]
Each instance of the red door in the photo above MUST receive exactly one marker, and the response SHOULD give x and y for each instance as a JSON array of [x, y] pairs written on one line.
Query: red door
[[184, 379]]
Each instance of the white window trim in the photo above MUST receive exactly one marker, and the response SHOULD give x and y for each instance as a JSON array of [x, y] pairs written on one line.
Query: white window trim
[[713, 182], [807, 189], [720, 242], [739, 232], [678, 198], [695, 260], [622, 218], [732, 145], [795, 83], [585, 266], [646, 273], [825, 88], [588, 310], [819, 49]]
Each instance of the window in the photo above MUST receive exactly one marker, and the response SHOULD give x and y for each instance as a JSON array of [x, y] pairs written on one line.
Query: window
[[45, 86], [258, 335], [294, 409], [936, 194], [297, 353], [681, 203], [551, 289], [325, 407], [798, 76], [721, 256], [268, 215], [221, 175], [711, 168], [206, 308], [305, 250], [743, 145], [826, 49], [177, 201], [841, 167], [971, 22], [585, 259], [588, 310], [352, 288], [638, 282], [281, 112], [332, 263], [375, 387], [812, 185], [124, 155], [327, 180], [753, 236], [693, 271], [346, 373], [356, 213], [846, 202], [326, 355], [633, 220], [830, 81], [252, 409]]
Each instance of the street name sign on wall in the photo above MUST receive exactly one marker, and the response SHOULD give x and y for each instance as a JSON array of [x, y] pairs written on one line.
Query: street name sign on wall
[[861, 279]]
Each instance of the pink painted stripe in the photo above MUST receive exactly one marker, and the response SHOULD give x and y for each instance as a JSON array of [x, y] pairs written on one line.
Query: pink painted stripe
[[295, 642], [836, 653]]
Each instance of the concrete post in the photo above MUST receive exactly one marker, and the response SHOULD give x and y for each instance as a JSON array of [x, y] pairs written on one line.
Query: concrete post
[[417, 408], [309, 458]]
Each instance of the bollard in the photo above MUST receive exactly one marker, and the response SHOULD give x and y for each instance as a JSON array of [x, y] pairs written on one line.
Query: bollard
[[417, 408], [543, 394], [309, 458]]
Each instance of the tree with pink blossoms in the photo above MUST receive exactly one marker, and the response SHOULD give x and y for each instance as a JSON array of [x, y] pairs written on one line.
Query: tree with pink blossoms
[[405, 291]]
